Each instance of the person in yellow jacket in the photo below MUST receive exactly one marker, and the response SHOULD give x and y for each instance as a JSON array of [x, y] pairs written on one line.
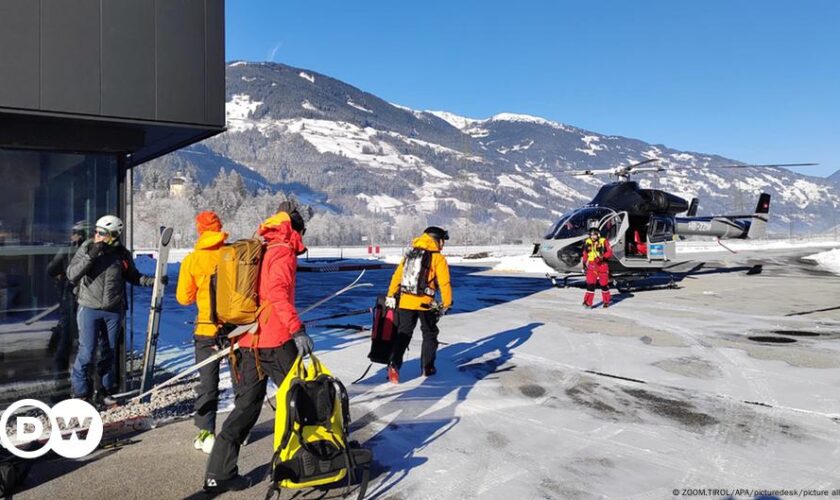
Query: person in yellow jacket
[[197, 268], [420, 275]]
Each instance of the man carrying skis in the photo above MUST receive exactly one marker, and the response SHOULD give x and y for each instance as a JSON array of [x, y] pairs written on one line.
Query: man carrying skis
[[421, 273], [280, 338], [596, 251], [197, 269], [100, 269]]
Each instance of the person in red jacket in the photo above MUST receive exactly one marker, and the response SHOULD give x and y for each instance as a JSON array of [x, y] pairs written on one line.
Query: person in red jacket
[[280, 337], [596, 251]]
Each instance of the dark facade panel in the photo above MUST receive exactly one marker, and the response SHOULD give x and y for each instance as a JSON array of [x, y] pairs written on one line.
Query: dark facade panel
[[215, 62], [128, 59], [19, 53], [70, 56], [181, 61]]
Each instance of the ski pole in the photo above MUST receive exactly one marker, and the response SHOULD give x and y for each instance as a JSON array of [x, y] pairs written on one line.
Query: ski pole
[[239, 331]]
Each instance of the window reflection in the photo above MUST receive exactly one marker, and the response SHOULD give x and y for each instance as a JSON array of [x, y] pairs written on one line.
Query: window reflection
[[49, 200]]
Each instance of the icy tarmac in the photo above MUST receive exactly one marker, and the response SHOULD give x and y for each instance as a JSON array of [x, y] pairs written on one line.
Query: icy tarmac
[[727, 383]]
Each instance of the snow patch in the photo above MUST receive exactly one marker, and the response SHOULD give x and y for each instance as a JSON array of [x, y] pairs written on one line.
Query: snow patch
[[237, 63], [379, 202], [523, 264], [591, 148], [829, 260], [307, 76], [459, 122], [238, 110], [308, 106], [520, 118], [358, 106]]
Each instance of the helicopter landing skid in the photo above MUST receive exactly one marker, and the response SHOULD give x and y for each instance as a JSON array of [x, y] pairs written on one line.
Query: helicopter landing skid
[[562, 282]]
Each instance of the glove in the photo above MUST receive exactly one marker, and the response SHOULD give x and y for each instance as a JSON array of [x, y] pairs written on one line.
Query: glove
[[303, 342], [391, 302], [95, 250], [222, 339], [164, 280]]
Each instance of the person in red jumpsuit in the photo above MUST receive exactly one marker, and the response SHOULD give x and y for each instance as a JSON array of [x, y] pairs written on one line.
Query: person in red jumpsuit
[[596, 251]]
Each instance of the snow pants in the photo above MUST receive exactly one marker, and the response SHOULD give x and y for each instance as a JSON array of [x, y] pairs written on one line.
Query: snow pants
[[406, 322], [249, 395], [597, 274], [207, 397]]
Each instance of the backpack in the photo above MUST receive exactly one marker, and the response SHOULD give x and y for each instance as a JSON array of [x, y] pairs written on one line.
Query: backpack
[[311, 430], [415, 276], [383, 330], [13, 472], [234, 286]]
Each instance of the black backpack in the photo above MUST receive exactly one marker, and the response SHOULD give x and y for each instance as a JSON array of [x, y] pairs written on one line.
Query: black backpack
[[13, 472]]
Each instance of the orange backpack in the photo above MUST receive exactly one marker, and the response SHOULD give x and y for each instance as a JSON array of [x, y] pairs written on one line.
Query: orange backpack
[[235, 283]]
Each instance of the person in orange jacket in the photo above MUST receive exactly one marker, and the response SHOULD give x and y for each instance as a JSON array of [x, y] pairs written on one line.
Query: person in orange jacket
[[271, 350], [412, 306], [596, 251], [197, 268]]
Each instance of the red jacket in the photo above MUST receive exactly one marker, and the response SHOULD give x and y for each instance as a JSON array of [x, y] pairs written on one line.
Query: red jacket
[[278, 319]]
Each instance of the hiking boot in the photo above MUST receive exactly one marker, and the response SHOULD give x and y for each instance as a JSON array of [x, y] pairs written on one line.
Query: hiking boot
[[393, 375], [215, 486], [606, 305], [429, 371], [104, 398], [204, 441]]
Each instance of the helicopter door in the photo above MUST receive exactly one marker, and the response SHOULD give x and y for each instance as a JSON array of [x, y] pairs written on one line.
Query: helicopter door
[[661, 245], [613, 227]]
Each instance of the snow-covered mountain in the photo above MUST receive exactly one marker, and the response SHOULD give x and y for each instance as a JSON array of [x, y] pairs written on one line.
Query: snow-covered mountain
[[298, 130]]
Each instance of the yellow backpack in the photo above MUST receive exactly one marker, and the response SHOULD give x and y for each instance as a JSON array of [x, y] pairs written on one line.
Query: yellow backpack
[[311, 430], [234, 285]]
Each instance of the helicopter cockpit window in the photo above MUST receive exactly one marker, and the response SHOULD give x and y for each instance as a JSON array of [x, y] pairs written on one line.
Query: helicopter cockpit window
[[575, 224]]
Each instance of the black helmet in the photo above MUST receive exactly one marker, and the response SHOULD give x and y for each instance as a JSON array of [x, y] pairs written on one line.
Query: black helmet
[[437, 233], [290, 207], [592, 226]]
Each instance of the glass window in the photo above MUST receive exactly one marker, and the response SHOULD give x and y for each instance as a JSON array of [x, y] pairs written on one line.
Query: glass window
[[49, 202], [575, 224]]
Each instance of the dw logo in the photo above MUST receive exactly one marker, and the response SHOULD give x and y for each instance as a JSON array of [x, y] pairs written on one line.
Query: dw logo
[[75, 428]]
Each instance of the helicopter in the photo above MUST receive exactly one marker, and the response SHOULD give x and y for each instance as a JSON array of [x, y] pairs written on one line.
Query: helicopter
[[642, 226]]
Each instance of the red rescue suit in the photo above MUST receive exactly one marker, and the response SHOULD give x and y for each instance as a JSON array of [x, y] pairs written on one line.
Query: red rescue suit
[[594, 259]]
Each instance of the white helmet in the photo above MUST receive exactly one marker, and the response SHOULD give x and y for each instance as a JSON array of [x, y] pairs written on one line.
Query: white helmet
[[112, 223]]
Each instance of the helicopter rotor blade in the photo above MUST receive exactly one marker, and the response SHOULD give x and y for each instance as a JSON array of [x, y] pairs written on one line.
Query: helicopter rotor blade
[[633, 166]]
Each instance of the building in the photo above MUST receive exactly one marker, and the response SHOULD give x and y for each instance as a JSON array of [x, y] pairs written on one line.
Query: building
[[89, 89]]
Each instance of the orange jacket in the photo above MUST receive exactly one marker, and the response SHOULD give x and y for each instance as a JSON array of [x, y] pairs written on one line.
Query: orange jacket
[[278, 273], [438, 278], [194, 278]]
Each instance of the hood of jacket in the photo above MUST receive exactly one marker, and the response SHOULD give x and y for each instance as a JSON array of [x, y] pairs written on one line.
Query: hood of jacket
[[277, 229], [210, 240], [425, 242]]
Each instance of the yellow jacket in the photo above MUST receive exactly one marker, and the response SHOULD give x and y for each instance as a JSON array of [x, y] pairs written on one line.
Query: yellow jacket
[[438, 278], [194, 279]]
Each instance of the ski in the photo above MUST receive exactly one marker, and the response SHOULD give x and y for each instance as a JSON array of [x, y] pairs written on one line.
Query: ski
[[251, 327], [153, 325]]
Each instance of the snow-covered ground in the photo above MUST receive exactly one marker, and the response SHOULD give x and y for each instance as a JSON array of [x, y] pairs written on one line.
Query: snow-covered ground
[[728, 382]]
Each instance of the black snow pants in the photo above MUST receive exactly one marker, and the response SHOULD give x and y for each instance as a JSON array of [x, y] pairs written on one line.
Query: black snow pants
[[406, 321], [249, 395], [207, 399]]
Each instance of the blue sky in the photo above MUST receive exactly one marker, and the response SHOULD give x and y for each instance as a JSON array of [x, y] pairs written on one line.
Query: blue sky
[[757, 81]]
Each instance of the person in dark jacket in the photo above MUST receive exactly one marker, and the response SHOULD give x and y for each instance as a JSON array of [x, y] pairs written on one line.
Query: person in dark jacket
[[65, 332], [271, 351], [100, 270]]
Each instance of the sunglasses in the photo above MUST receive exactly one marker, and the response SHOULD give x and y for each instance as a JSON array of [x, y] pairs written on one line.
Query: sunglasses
[[102, 232]]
